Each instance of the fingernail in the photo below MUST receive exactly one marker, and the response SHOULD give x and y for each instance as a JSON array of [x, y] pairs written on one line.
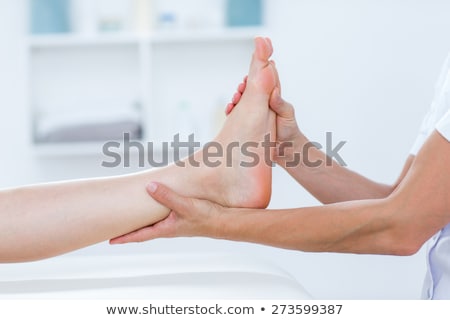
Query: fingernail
[[152, 187]]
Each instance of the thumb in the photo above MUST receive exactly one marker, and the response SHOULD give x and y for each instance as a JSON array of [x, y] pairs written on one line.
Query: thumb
[[279, 106], [168, 197]]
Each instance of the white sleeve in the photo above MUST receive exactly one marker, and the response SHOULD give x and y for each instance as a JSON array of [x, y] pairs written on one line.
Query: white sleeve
[[424, 132], [439, 108], [443, 126]]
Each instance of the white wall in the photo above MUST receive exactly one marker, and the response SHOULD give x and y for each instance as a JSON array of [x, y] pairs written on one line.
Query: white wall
[[362, 69]]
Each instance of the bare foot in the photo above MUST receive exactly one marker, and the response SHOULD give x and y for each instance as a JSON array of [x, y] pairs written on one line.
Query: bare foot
[[241, 175], [247, 182]]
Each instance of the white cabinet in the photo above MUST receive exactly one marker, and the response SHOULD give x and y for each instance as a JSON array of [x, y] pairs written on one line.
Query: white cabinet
[[78, 83]]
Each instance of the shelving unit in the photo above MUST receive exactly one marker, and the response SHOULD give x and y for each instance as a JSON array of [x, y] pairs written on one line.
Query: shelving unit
[[68, 40], [156, 72]]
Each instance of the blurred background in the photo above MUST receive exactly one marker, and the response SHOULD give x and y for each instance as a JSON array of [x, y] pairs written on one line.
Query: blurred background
[[77, 73]]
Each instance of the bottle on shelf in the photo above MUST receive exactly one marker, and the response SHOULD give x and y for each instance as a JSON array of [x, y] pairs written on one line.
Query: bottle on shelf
[[49, 16], [114, 15], [243, 13], [143, 16], [84, 17]]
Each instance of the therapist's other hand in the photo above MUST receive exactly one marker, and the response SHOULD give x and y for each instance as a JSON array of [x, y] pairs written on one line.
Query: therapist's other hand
[[288, 132], [188, 218]]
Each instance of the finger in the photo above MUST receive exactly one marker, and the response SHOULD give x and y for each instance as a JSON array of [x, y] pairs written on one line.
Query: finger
[[162, 229], [144, 234], [169, 198], [277, 76]]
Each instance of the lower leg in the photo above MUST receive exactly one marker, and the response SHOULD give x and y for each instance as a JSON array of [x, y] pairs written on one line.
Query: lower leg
[[47, 220]]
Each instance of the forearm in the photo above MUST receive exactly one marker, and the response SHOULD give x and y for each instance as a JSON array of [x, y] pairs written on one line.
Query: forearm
[[399, 224], [47, 220], [326, 179], [366, 226]]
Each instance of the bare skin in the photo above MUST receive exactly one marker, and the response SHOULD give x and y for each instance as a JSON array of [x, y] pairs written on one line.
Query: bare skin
[[363, 217], [47, 220], [397, 225]]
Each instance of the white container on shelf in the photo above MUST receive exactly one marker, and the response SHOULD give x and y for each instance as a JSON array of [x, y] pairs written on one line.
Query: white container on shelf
[[84, 17], [204, 14], [189, 15], [114, 15], [143, 16]]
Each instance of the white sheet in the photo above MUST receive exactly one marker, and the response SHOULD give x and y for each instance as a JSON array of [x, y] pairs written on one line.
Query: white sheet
[[149, 277]]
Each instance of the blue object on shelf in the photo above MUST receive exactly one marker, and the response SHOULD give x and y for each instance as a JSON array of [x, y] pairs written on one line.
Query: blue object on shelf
[[49, 16], [242, 13]]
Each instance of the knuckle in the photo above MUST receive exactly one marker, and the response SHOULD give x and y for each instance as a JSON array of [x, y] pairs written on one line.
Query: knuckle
[[163, 193]]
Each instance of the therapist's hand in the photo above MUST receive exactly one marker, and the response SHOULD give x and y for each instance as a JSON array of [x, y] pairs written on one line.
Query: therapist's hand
[[188, 218], [288, 131]]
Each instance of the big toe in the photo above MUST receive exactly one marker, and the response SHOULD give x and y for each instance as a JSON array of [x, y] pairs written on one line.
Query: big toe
[[263, 49], [262, 54]]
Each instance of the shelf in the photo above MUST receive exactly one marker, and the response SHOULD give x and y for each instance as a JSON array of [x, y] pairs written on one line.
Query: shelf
[[214, 35], [95, 149], [68, 149], [75, 149], [160, 37], [134, 67], [70, 40]]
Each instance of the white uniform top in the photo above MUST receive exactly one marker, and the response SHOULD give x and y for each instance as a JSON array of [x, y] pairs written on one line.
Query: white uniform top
[[437, 280]]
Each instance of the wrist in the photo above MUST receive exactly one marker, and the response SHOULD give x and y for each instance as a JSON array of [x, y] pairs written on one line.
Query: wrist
[[228, 224], [217, 226], [290, 149]]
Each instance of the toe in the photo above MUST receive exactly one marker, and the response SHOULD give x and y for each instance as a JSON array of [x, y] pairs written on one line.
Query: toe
[[263, 49], [229, 108], [262, 54], [236, 98]]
